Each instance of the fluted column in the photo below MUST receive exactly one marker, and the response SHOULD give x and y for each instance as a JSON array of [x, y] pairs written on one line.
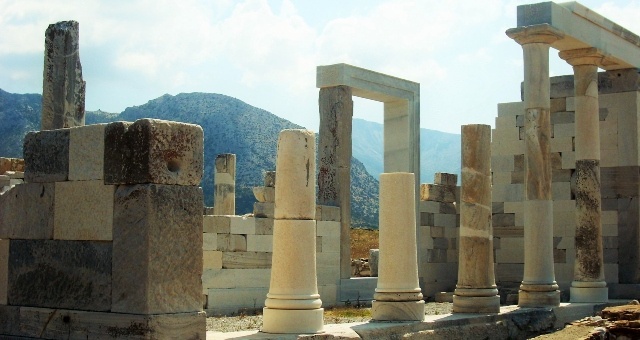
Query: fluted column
[[293, 304], [398, 296], [224, 187], [539, 287], [588, 278], [476, 291]]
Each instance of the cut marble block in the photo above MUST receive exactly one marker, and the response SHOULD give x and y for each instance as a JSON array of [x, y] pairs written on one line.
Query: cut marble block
[[27, 211], [216, 224], [4, 271], [236, 278], [445, 179], [261, 243], [60, 274], [83, 211], [86, 152], [264, 226], [11, 164], [398, 310], [211, 259], [46, 156], [438, 192], [263, 209], [153, 151], [327, 213], [292, 321], [73, 324], [245, 260], [157, 249], [226, 301]]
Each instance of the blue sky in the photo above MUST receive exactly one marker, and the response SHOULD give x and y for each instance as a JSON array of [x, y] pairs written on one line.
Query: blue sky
[[265, 52]]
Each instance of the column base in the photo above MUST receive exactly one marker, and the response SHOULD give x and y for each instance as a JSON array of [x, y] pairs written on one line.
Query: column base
[[589, 294], [533, 299], [397, 310], [292, 321], [476, 304]]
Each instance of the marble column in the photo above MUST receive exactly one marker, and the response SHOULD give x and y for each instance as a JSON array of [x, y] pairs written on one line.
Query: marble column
[[398, 296], [293, 304], [588, 277], [63, 89], [539, 287], [476, 291], [224, 178], [334, 155]]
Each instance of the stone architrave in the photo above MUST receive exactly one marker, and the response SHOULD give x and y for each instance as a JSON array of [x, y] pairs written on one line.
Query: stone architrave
[[589, 283], [539, 287], [398, 296], [401, 99], [224, 201], [334, 174], [293, 304], [476, 291], [63, 89]]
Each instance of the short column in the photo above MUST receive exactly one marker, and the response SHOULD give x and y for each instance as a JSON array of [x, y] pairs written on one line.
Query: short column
[[398, 296], [476, 291], [224, 199], [293, 304], [539, 287], [588, 284]]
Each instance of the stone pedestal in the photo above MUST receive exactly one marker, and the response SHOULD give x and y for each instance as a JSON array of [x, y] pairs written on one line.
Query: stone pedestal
[[293, 304], [476, 291], [224, 200], [63, 89], [589, 283], [538, 288], [398, 296]]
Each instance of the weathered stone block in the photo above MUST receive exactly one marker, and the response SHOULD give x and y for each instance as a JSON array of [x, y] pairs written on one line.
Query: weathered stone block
[[27, 211], [211, 259], [157, 249], [328, 228], [503, 220], [209, 241], [263, 209], [265, 194], [46, 156], [438, 193], [10, 320], [246, 259], [444, 178], [261, 243], [11, 164], [86, 152], [60, 274], [327, 213], [83, 211], [242, 225], [236, 278], [153, 151], [264, 226], [225, 301], [216, 224], [231, 242], [4, 271]]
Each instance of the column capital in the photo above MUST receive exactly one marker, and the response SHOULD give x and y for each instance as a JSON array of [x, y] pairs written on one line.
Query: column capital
[[543, 33], [586, 56]]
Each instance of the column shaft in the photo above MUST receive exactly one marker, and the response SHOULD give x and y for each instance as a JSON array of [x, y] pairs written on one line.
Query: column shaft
[[476, 291], [224, 199]]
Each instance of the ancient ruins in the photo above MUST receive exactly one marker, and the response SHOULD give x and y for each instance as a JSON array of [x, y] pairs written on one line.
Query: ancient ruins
[[104, 233]]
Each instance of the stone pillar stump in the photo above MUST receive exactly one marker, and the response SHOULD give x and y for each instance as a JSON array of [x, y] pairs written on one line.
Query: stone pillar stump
[[224, 178]]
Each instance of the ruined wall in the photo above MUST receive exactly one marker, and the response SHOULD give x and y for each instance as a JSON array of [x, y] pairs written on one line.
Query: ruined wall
[[619, 177]]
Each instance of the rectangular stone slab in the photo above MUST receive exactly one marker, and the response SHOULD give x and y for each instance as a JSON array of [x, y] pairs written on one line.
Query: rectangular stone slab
[[46, 156], [157, 249], [60, 274], [27, 211], [153, 151]]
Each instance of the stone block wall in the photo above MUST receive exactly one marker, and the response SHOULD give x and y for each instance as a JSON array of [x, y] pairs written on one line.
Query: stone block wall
[[439, 231], [11, 173], [237, 258], [95, 251], [620, 180]]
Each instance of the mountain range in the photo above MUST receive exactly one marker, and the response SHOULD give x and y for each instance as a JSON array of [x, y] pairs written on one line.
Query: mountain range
[[232, 126]]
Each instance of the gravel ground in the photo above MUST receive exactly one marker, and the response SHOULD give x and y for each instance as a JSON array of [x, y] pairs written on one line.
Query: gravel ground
[[254, 322]]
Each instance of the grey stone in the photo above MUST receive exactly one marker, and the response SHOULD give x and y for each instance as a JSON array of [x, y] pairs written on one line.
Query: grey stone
[[445, 178], [270, 179], [614, 81], [63, 89], [157, 249], [46, 156], [153, 151], [27, 211], [10, 320], [374, 256], [60, 274]]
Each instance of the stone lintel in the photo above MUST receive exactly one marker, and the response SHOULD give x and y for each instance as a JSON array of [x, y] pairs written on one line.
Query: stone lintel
[[366, 83], [582, 27]]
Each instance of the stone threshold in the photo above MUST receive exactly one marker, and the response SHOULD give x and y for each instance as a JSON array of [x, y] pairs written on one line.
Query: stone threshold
[[511, 322]]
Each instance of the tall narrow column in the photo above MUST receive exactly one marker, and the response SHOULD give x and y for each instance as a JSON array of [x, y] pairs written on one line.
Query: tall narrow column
[[63, 89], [224, 188], [476, 291], [539, 287], [334, 176], [293, 304], [588, 278], [398, 296]]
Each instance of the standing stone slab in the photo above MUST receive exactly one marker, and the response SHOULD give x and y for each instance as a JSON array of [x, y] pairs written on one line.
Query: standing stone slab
[[86, 152], [27, 211], [153, 151], [224, 199], [157, 249], [60, 274], [46, 156], [63, 89]]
